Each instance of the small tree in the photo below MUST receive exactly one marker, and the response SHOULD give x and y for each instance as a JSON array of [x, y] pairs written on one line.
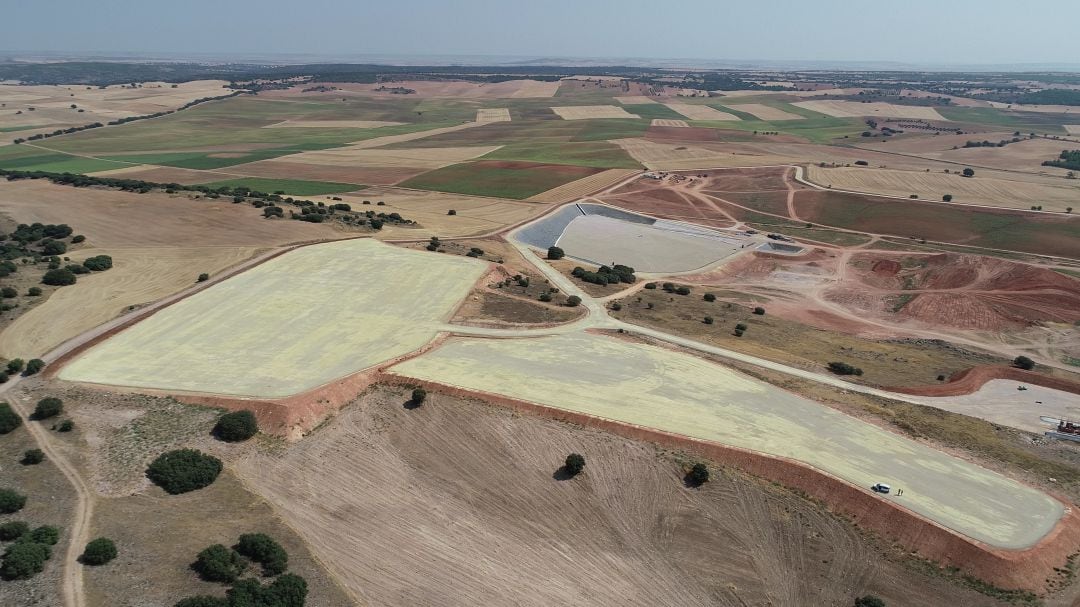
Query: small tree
[[709, 297], [48, 407], [708, 320], [218, 564], [1024, 363], [236, 426], [555, 253], [947, 198], [15, 365], [759, 311], [9, 292], [418, 396], [184, 470], [573, 301], [262, 549], [968, 173], [59, 277], [98, 552], [34, 292], [203, 277], [9, 420], [11, 501], [33, 366], [575, 463], [45, 534], [869, 601], [65, 426], [32, 457], [698, 475], [13, 530], [451, 212], [23, 560]]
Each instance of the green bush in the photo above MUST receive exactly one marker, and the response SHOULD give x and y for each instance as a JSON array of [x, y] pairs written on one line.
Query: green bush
[[184, 470], [77, 239], [9, 292], [842, 368], [236, 426], [98, 552], [741, 327], [34, 291], [3, 377], [286, 591], [545, 297], [13, 530], [45, 534], [870, 600], [98, 263], [573, 301], [1024, 363], [34, 365], [32, 457], [708, 320], [203, 601], [709, 297], [48, 407], [650, 285], [15, 366], [23, 560], [65, 426], [11, 501], [739, 332], [58, 277], [555, 253], [418, 396], [698, 475], [218, 564], [575, 463], [203, 277], [759, 311], [9, 420], [262, 549]]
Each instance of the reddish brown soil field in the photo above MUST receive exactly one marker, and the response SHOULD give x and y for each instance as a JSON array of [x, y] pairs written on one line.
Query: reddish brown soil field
[[670, 204]]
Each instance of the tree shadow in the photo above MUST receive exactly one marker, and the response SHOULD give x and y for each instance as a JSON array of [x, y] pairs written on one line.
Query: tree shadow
[[411, 404], [690, 482], [562, 474]]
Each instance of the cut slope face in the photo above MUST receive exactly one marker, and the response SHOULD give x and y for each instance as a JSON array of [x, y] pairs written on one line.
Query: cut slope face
[[678, 393], [288, 325]]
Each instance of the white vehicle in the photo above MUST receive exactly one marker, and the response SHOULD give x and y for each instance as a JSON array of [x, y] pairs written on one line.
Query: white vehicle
[[881, 488]]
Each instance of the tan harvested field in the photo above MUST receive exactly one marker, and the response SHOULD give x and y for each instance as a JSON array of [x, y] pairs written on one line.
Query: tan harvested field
[[855, 109], [138, 276], [700, 112], [475, 215], [1025, 155], [413, 158], [669, 122], [583, 187], [246, 336], [1042, 109], [379, 142], [510, 89], [487, 115], [285, 169], [932, 186], [589, 112], [156, 174], [1073, 129], [113, 219], [459, 504], [635, 99], [332, 124], [765, 112]]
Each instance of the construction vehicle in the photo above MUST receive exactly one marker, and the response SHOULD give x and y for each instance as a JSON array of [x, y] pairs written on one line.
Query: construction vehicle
[[881, 488]]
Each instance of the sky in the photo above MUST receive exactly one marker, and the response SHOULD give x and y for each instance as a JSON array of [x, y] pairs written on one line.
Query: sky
[[940, 32]]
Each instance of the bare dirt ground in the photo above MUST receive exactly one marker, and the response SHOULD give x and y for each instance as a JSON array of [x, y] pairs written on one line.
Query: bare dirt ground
[[466, 498]]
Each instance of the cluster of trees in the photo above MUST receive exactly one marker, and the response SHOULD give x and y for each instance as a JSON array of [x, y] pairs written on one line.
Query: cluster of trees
[[606, 275], [57, 132], [669, 287], [219, 563], [842, 368], [1068, 159], [990, 144], [31, 548], [184, 470], [9, 420], [98, 552], [47, 407]]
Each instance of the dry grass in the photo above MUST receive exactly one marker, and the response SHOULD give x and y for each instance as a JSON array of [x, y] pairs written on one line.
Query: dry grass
[[700, 112], [1072, 129], [766, 112], [138, 277], [932, 186], [672, 123], [583, 187], [855, 109], [589, 112], [475, 215], [486, 115]]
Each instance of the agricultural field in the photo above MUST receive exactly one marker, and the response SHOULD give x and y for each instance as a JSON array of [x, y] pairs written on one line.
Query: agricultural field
[[183, 348], [589, 112], [765, 112], [700, 112], [855, 109], [499, 178]]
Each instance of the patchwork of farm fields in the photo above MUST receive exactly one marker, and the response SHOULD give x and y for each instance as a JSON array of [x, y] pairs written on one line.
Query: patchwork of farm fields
[[248, 335]]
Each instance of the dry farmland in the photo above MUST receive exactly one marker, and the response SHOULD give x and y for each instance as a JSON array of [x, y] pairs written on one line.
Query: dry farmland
[[1073, 129], [670, 123], [855, 109], [589, 112], [331, 124], [583, 187], [486, 115], [419, 158], [932, 186], [247, 336], [635, 100], [765, 112], [474, 215], [700, 112], [658, 388]]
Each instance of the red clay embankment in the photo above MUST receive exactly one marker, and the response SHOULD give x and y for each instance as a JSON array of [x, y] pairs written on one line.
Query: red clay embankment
[[971, 380]]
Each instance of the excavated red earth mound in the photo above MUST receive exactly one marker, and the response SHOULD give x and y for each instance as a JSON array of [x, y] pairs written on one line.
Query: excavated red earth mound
[[971, 380]]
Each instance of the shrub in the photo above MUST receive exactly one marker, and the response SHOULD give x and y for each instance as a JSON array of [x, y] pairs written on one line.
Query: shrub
[[555, 253], [418, 396], [759, 311], [545, 296], [218, 564], [941, 378], [741, 327], [203, 277], [32, 457], [709, 297], [45, 534], [262, 549], [946, 198], [23, 560], [616, 306], [58, 277], [698, 475], [575, 463], [286, 591], [13, 530], [183, 470], [9, 420], [708, 320], [65, 426], [15, 365], [682, 290], [33, 366], [9, 292], [34, 291], [573, 301], [968, 173], [869, 601], [3, 377], [77, 239], [650, 285], [842, 368], [11, 501], [739, 332], [53, 247], [1024, 363], [98, 263], [236, 426], [203, 601], [451, 212], [48, 407], [98, 552]]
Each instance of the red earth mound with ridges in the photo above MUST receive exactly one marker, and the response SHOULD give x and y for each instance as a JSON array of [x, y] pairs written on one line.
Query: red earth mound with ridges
[[971, 380]]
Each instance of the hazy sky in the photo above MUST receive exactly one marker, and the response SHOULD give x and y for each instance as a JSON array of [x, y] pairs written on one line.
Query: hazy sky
[[913, 31]]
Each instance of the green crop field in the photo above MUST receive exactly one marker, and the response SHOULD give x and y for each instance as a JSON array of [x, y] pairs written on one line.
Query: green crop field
[[1026, 122], [51, 162], [295, 187], [599, 154], [503, 179], [199, 160], [651, 111]]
